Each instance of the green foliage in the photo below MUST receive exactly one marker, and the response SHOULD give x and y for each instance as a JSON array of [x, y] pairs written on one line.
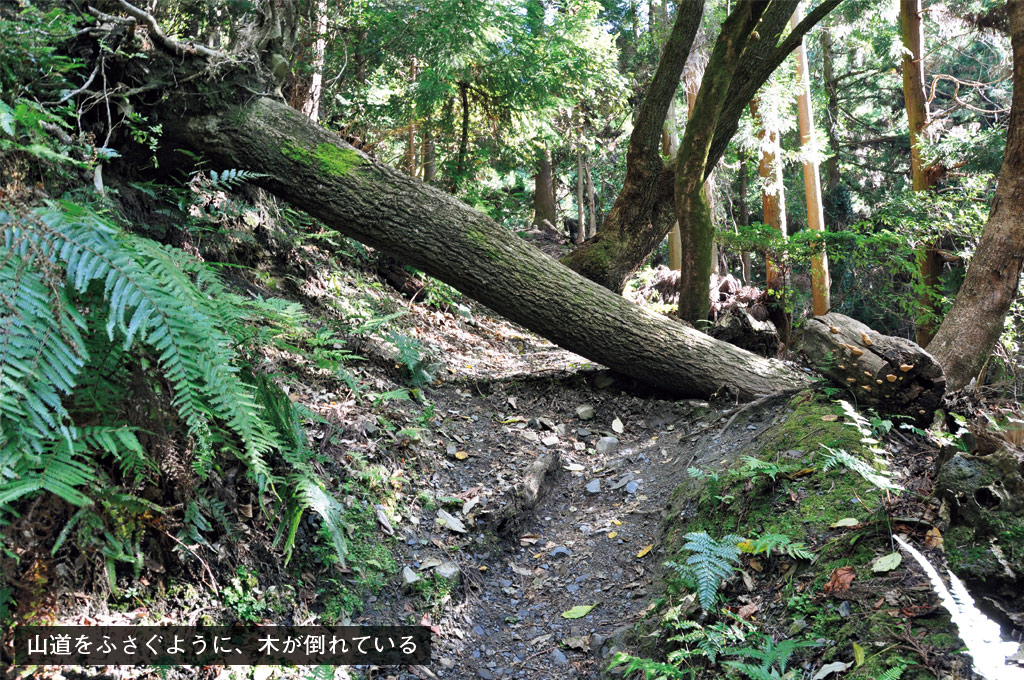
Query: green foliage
[[770, 658], [232, 179], [77, 295], [418, 368], [242, 596], [778, 542], [709, 563]]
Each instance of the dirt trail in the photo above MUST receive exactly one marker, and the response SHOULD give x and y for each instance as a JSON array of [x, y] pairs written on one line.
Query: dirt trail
[[592, 538]]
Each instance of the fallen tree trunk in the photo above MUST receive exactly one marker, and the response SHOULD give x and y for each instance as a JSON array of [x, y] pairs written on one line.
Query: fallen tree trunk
[[892, 374], [318, 172]]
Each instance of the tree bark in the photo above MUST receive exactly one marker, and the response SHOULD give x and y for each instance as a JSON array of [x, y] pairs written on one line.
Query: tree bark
[[974, 323], [643, 213], [671, 138], [743, 214], [544, 191], [429, 154], [893, 374], [581, 229], [820, 282], [311, 107], [318, 172], [832, 178], [919, 118], [591, 201], [410, 151], [692, 209], [460, 166], [773, 194]]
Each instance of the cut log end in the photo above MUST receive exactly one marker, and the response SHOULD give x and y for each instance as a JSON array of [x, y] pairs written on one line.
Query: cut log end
[[861, 359]]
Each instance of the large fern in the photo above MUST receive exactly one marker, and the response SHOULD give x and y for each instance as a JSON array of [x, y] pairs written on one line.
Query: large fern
[[76, 294]]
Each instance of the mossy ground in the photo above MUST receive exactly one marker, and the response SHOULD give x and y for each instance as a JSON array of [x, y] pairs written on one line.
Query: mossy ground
[[803, 502]]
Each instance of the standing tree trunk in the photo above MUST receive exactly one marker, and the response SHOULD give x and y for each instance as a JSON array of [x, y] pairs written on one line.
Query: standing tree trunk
[[973, 325], [581, 230], [692, 209], [773, 194], [428, 154], [460, 165], [820, 282], [832, 178], [410, 151], [591, 201], [743, 214], [643, 213], [318, 172], [671, 148], [919, 118], [544, 191], [692, 86], [311, 107]]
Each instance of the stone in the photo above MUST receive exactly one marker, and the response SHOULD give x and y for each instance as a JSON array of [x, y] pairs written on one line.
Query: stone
[[558, 657], [631, 487], [583, 432], [607, 445], [409, 576], [585, 412], [560, 551], [549, 441], [448, 570], [594, 486]]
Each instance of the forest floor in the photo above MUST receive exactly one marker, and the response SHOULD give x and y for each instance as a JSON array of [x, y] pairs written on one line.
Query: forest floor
[[445, 530]]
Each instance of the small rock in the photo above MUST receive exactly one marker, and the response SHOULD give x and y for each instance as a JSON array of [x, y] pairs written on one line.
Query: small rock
[[606, 445], [560, 551], [446, 662], [572, 588], [583, 432], [585, 412], [558, 657], [596, 642], [547, 422], [562, 430], [533, 424], [594, 486], [409, 576], [448, 570], [631, 487], [845, 609], [603, 380], [479, 631], [485, 674], [550, 440]]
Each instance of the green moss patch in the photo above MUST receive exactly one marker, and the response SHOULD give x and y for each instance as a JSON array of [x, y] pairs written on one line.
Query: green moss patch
[[331, 159]]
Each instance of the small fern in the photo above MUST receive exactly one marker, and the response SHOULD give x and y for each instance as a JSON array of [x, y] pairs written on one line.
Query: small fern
[[771, 658], [232, 179], [709, 564], [894, 673], [778, 542]]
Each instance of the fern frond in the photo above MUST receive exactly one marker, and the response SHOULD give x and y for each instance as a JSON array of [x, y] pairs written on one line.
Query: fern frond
[[894, 673], [232, 179], [711, 562], [309, 494]]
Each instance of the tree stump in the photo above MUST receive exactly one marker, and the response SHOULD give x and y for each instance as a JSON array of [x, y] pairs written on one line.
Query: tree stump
[[892, 374]]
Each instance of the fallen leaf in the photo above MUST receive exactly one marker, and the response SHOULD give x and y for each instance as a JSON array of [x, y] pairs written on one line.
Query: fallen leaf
[[613, 534], [522, 571], [617, 427], [578, 612], [747, 611], [444, 518], [858, 655], [461, 455], [840, 581], [528, 539], [830, 418], [616, 522], [483, 567], [470, 504], [512, 402], [582, 643], [845, 522], [429, 563], [643, 551], [830, 668], [933, 539], [574, 467], [540, 639], [887, 562]]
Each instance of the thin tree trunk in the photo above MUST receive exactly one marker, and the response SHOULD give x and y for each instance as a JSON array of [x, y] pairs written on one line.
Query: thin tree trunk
[[973, 325], [919, 118], [424, 227], [671, 137], [820, 282], [311, 107], [544, 191], [580, 213], [428, 154], [773, 193], [832, 178], [410, 151], [591, 201], [460, 166], [743, 214]]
